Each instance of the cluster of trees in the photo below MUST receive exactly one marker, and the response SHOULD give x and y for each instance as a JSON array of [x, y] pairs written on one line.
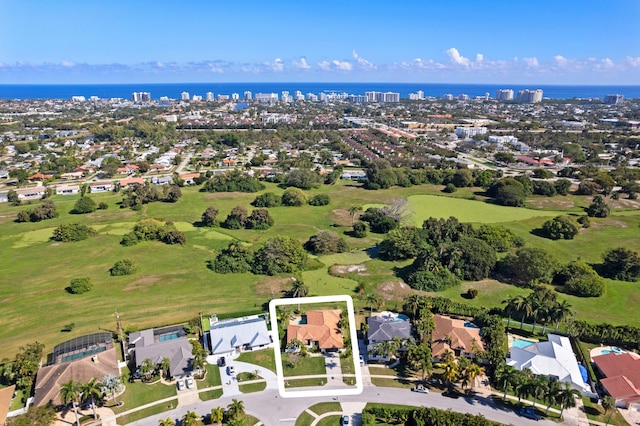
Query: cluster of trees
[[153, 230], [235, 414], [278, 255], [624, 335], [240, 218], [46, 210], [422, 416], [291, 197], [21, 371], [326, 242], [539, 387], [580, 279], [234, 181], [539, 306], [76, 393], [73, 232], [138, 195]]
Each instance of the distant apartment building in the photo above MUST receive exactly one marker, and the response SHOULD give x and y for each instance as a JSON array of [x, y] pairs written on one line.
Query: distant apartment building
[[267, 98], [222, 97], [504, 95], [530, 96], [141, 97], [78, 99], [613, 99], [197, 98], [469, 132], [286, 97], [209, 97], [463, 97], [248, 95], [418, 96], [448, 97], [386, 97], [184, 96], [357, 99], [235, 96], [299, 96], [312, 97]]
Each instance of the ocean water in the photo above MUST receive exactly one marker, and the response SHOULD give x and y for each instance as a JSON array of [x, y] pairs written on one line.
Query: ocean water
[[174, 90]]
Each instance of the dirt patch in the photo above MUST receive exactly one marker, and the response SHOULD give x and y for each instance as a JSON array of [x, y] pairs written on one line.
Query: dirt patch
[[275, 286], [142, 283], [555, 203], [625, 203], [390, 290], [218, 195], [341, 270], [618, 223], [342, 217]]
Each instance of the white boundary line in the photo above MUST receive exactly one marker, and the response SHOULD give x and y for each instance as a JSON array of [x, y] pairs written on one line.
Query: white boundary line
[[278, 355]]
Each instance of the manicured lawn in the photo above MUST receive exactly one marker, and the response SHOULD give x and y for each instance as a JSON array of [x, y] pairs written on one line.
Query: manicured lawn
[[212, 394], [150, 411], [252, 387], [137, 394], [298, 383], [250, 420], [305, 419], [331, 420], [306, 366], [213, 376], [325, 407], [392, 383], [264, 358], [596, 412]]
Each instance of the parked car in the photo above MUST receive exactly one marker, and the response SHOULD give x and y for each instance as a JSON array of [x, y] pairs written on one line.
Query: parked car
[[190, 383], [180, 385], [420, 388], [529, 413], [361, 360], [345, 420], [222, 362], [231, 370]]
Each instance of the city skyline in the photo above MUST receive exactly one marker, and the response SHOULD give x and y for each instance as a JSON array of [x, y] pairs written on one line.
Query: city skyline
[[587, 42]]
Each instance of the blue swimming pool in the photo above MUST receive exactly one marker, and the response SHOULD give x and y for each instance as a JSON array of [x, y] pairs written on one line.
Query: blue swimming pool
[[170, 336], [521, 343]]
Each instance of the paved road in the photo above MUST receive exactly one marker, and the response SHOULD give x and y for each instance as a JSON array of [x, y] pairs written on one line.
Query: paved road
[[275, 411]]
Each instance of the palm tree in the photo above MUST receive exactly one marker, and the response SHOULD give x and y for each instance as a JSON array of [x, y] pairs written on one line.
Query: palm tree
[[470, 372], [164, 367], [521, 384], [190, 418], [551, 394], [217, 414], [353, 211], [412, 302], [567, 397], [371, 300], [561, 312], [147, 368], [507, 375], [90, 392], [166, 422], [510, 309], [609, 405], [385, 349], [70, 393], [538, 388], [235, 410], [521, 305], [450, 371], [299, 289], [419, 356]]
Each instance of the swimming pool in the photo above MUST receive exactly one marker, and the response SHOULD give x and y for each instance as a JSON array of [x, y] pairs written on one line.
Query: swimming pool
[[170, 336], [614, 349], [521, 343]]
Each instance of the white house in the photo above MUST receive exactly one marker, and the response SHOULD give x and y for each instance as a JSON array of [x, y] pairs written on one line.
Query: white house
[[226, 337], [67, 189], [554, 358], [101, 187]]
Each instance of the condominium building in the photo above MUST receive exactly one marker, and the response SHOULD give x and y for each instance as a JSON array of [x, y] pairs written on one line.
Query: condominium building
[[210, 97], [504, 95], [613, 99], [248, 95], [530, 96], [141, 96], [184, 96]]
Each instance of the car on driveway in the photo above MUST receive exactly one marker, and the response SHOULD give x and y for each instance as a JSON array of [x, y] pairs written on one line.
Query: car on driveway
[[529, 413], [345, 420], [361, 361], [180, 385], [231, 370], [420, 388], [190, 383], [222, 362]]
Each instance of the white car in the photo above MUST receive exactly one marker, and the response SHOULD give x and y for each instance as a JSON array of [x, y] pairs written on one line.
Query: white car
[[420, 388], [190, 383], [361, 361], [180, 385], [231, 370]]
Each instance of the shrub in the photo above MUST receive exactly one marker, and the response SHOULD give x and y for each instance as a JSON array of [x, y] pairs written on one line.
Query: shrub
[[621, 264], [235, 259], [268, 199], [580, 279], [560, 227], [326, 242], [499, 237], [259, 219], [46, 210], [319, 200], [73, 232], [123, 267], [84, 205], [359, 229], [103, 206], [450, 188], [173, 236], [472, 293], [432, 281], [79, 285], [598, 208], [236, 218], [378, 221], [584, 221], [209, 217], [294, 197]]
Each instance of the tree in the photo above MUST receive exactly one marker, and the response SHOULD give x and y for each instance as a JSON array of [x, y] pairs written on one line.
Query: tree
[[26, 364], [499, 237], [294, 197], [209, 217], [235, 410], [359, 229], [80, 285], [450, 371], [551, 394], [43, 415], [236, 258], [609, 405], [299, 289], [371, 300], [326, 242], [560, 227], [123, 267], [538, 386], [567, 397], [72, 232], [259, 219], [621, 264], [303, 179], [353, 212], [563, 186], [402, 243], [268, 199], [419, 357], [217, 415], [84, 205], [91, 391], [236, 219], [13, 198], [385, 349], [165, 364], [70, 393], [190, 418], [280, 254], [320, 200], [147, 368], [528, 265], [166, 422], [469, 258], [469, 374], [580, 279], [506, 374], [598, 208], [379, 222]]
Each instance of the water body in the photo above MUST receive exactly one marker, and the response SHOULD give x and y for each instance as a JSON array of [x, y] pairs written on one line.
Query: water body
[[174, 90]]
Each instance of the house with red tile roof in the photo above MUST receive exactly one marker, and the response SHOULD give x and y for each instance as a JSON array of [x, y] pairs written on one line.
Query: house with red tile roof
[[453, 335], [622, 381], [126, 183], [318, 328]]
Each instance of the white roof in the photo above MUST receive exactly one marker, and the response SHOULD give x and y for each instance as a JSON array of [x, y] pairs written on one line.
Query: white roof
[[552, 358], [227, 335]]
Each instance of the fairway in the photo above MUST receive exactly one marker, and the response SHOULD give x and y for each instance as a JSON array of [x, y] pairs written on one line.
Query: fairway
[[425, 206]]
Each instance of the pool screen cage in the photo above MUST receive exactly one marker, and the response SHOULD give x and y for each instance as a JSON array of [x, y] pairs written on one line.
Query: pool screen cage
[[82, 343]]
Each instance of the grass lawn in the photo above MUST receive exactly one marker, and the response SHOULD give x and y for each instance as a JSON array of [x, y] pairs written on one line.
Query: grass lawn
[[212, 377], [299, 383], [250, 420], [596, 412], [138, 393], [325, 407], [306, 366], [539, 409], [331, 420], [264, 358], [392, 383], [305, 419], [347, 367], [252, 387], [212, 394], [150, 411]]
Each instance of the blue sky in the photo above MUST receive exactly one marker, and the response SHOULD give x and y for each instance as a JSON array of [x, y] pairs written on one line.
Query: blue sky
[[431, 41]]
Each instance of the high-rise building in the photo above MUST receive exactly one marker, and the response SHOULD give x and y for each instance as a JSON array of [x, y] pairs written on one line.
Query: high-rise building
[[197, 98], [209, 97], [463, 97], [613, 99], [248, 95], [141, 97], [448, 97], [504, 95], [184, 96], [235, 96], [530, 96]]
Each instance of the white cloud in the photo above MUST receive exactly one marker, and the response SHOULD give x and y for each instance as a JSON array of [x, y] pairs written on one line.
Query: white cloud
[[67, 64], [479, 57], [335, 65], [531, 62], [277, 65], [561, 61], [301, 64], [324, 65], [634, 62], [607, 63], [363, 63], [456, 58]]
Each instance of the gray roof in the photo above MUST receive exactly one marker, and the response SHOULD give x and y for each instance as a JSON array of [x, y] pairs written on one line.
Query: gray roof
[[177, 350], [383, 329], [249, 332]]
